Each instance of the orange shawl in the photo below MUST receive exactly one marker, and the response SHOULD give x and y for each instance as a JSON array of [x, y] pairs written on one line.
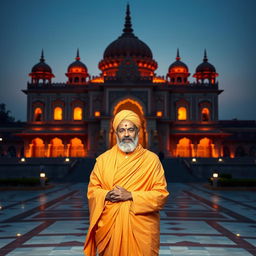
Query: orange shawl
[[130, 227]]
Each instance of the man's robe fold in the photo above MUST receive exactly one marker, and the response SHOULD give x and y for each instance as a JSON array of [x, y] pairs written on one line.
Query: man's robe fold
[[129, 228]]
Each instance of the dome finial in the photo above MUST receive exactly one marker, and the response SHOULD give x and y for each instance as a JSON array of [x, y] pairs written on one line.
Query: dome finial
[[128, 24], [77, 54], [205, 56], [178, 54], [42, 56]]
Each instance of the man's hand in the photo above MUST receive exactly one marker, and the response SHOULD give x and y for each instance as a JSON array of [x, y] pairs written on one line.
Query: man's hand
[[118, 194]]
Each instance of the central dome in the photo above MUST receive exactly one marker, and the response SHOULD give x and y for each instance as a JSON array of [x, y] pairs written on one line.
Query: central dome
[[127, 45]]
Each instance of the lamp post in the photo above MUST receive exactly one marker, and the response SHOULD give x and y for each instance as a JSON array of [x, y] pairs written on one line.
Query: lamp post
[[215, 177], [42, 179]]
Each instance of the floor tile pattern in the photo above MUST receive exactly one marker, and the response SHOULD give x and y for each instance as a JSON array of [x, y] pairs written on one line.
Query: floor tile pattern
[[195, 221]]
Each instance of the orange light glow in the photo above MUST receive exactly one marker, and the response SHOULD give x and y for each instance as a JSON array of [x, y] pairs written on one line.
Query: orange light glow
[[78, 113], [184, 148], [57, 148], [204, 148], [38, 114], [76, 70], [158, 80], [97, 113], [182, 113], [97, 80], [58, 113], [205, 114], [38, 149], [77, 148], [159, 113], [179, 70]]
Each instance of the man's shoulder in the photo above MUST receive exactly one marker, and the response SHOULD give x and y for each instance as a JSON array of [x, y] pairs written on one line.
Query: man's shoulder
[[151, 155], [104, 155]]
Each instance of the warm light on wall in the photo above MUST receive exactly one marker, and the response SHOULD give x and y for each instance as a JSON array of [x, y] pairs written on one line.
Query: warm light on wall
[[97, 80], [38, 114], [159, 113], [182, 113], [205, 114], [97, 113], [77, 114], [158, 80], [76, 70], [58, 113]]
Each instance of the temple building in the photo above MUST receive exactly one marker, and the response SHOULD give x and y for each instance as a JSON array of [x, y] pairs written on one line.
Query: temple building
[[179, 111]]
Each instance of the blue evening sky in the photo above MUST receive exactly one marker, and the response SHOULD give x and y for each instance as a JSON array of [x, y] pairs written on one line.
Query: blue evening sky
[[226, 28]]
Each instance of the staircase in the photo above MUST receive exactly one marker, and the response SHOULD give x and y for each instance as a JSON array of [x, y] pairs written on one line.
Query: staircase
[[81, 171], [177, 171]]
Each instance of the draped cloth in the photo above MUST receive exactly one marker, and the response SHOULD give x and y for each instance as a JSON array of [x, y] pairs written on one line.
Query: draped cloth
[[129, 228]]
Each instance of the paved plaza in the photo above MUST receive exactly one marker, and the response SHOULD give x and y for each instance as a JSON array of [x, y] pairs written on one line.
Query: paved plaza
[[195, 221]]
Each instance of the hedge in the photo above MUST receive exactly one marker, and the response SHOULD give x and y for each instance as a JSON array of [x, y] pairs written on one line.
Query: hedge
[[20, 182]]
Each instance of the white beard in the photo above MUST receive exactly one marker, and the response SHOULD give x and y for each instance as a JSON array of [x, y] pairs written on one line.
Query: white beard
[[127, 147]]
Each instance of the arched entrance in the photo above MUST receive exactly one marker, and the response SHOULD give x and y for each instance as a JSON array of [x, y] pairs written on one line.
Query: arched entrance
[[136, 107], [204, 148], [76, 148], [184, 148], [38, 148], [57, 148]]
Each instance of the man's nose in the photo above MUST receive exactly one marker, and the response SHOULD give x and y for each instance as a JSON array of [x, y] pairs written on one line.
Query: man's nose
[[126, 133]]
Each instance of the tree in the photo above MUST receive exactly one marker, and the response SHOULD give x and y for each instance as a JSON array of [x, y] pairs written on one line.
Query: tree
[[5, 115]]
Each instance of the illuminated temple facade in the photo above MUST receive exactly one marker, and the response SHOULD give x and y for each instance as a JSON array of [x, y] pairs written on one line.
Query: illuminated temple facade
[[179, 116]]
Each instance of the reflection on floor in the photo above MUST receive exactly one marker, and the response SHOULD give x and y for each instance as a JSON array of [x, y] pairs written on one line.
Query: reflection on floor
[[195, 221]]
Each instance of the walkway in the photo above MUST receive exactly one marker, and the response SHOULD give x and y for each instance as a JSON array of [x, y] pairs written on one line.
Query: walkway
[[195, 222]]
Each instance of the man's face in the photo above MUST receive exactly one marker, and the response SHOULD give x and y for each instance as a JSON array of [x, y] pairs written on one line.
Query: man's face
[[126, 131], [127, 136]]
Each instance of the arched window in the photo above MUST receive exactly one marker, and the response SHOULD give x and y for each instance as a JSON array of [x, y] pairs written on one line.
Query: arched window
[[76, 79], [179, 79], [57, 113], [182, 113], [38, 114], [205, 114], [78, 113]]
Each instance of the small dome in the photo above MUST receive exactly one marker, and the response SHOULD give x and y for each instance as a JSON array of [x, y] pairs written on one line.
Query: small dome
[[77, 66], [205, 66], [41, 66], [174, 67]]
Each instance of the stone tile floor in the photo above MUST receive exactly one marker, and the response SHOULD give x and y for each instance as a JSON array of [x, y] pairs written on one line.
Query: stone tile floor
[[195, 221]]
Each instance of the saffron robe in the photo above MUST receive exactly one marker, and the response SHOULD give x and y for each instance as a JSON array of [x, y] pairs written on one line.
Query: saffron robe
[[129, 228]]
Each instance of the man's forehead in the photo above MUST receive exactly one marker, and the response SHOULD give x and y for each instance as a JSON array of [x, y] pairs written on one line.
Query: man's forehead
[[126, 124]]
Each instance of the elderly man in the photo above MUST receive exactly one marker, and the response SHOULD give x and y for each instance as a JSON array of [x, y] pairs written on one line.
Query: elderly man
[[126, 191]]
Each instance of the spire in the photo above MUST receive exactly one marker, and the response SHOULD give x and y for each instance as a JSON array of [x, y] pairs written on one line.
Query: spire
[[205, 56], [77, 54], [128, 24], [42, 56], [178, 54]]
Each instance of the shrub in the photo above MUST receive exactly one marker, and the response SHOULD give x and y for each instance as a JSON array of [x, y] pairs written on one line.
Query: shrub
[[20, 182]]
